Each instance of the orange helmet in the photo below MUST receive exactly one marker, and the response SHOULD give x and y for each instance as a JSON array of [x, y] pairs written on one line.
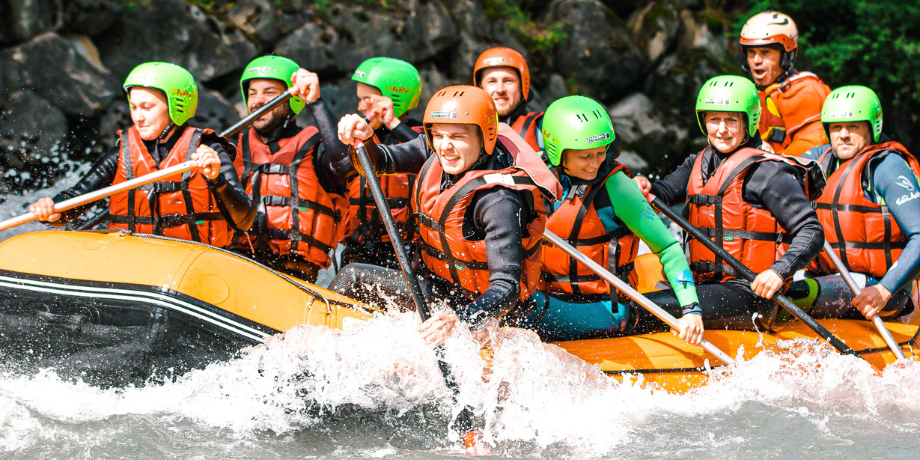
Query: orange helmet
[[503, 57], [771, 28], [463, 105]]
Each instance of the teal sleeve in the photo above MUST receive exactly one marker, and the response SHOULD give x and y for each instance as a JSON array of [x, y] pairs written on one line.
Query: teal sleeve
[[632, 208]]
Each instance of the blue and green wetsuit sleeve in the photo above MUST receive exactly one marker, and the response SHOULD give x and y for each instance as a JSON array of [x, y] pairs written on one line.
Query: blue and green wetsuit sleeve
[[632, 208], [898, 188]]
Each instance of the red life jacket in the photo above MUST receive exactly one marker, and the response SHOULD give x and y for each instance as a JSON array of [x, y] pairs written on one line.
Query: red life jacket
[[526, 127], [576, 220], [445, 252], [362, 221], [872, 238], [182, 208], [299, 216], [789, 105], [717, 207]]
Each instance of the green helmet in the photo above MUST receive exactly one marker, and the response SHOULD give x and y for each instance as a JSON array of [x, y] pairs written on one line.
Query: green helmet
[[729, 93], [575, 122], [175, 82], [853, 103], [396, 79], [275, 68]]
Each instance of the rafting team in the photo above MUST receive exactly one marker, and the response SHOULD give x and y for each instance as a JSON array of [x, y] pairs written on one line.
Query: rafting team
[[474, 185]]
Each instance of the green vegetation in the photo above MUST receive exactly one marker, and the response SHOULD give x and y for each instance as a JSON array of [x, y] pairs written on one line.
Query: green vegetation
[[539, 38], [875, 43]]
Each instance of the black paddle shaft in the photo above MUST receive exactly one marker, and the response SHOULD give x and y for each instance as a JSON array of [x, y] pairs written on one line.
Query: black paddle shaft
[[278, 100], [750, 275], [464, 422]]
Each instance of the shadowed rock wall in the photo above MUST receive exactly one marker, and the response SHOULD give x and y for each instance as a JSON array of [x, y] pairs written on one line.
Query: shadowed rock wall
[[62, 62]]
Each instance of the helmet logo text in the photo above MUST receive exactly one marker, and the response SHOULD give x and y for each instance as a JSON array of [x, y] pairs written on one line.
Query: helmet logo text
[[599, 137], [493, 61], [182, 93], [259, 69], [840, 115], [716, 101], [360, 73], [444, 115]]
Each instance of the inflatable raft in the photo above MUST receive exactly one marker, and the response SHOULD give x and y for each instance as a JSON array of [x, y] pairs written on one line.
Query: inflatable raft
[[115, 309]]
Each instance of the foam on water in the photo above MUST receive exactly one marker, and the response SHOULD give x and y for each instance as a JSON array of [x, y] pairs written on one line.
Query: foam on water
[[535, 399]]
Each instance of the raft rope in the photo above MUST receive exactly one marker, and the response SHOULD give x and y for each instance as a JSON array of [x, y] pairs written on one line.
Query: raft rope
[[261, 265]]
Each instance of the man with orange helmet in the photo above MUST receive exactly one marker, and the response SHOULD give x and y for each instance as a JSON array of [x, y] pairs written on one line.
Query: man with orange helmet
[[790, 100], [503, 73], [479, 198]]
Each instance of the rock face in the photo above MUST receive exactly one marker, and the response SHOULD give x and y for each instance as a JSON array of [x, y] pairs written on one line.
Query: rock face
[[62, 62], [59, 71], [599, 46], [174, 31]]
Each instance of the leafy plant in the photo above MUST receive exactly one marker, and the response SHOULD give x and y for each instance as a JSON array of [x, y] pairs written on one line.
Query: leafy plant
[[538, 37]]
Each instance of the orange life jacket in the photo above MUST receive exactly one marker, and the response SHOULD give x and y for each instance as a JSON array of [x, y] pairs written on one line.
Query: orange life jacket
[[787, 107], [526, 127], [300, 217], [717, 207], [576, 220], [872, 238], [180, 208], [445, 251], [362, 221]]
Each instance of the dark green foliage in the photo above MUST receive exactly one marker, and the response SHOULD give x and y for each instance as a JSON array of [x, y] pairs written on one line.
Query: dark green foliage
[[540, 38], [875, 43]]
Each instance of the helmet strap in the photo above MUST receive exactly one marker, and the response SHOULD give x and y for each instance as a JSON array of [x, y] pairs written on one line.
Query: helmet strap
[[166, 131]]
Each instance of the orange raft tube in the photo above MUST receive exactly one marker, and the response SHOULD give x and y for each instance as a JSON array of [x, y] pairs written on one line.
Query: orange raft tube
[[670, 363], [116, 309]]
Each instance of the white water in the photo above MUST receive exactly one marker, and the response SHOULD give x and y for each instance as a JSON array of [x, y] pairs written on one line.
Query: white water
[[374, 390]]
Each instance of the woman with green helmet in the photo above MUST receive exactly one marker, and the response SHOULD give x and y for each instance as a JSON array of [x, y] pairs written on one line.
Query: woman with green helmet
[[603, 215], [755, 204], [387, 90], [205, 205]]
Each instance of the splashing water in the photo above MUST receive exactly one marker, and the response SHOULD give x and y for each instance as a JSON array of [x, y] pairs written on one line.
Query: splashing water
[[373, 390]]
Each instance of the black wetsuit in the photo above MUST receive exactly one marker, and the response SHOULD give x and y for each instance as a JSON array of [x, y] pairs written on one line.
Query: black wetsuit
[[770, 185], [498, 218], [231, 197], [365, 245], [330, 179]]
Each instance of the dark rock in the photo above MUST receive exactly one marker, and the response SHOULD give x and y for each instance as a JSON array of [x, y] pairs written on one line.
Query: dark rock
[[598, 53], [214, 111], [698, 35], [429, 30], [556, 89], [177, 32], [476, 34], [33, 17], [655, 26], [61, 71], [91, 17], [255, 17], [677, 80], [31, 131], [648, 131]]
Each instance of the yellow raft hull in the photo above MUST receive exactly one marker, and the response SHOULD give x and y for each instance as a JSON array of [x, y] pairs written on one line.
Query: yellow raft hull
[[117, 308]]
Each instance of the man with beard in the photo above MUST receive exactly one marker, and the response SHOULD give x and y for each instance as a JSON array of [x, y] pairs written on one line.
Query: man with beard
[[286, 170], [503, 74], [790, 100]]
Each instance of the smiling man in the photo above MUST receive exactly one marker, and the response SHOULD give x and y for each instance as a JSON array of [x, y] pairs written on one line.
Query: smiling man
[[286, 172], [790, 100], [479, 198], [504, 75], [870, 208]]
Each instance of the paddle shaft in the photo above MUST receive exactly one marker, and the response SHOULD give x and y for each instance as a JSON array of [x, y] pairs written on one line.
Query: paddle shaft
[[104, 193], [464, 423], [628, 290], [876, 321], [749, 275], [146, 179]]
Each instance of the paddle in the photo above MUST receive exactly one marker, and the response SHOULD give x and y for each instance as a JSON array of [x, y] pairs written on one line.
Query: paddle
[[629, 291], [148, 178], [876, 321], [464, 421], [748, 274]]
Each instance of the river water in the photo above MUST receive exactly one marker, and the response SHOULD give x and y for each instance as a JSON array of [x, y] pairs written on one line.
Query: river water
[[373, 390]]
